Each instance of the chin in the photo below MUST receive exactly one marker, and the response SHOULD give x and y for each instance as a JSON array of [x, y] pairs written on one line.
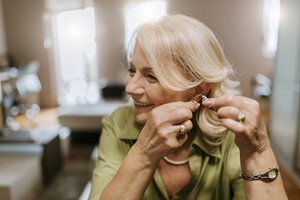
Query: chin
[[140, 118]]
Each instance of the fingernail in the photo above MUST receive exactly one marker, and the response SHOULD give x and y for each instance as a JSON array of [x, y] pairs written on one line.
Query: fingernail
[[207, 102], [196, 105]]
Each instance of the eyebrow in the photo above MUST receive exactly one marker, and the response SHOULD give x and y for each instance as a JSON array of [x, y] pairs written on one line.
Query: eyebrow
[[144, 69]]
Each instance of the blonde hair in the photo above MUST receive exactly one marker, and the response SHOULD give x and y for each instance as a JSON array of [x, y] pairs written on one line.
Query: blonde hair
[[183, 53]]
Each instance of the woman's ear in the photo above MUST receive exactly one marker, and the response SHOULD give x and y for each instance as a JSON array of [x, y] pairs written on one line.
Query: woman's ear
[[201, 89]]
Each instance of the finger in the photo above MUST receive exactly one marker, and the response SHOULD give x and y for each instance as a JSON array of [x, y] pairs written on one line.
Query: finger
[[178, 112], [179, 116], [228, 112], [233, 125], [187, 126], [228, 100], [175, 112], [176, 139], [182, 139], [191, 105], [169, 114]]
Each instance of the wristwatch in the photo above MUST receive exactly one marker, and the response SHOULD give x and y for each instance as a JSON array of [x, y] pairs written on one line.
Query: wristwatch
[[268, 176]]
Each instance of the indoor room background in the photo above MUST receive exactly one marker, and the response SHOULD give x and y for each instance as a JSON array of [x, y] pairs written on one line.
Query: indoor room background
[[71, 57]]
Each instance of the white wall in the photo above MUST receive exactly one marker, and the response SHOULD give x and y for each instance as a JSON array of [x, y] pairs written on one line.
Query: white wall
[[24, 26], [110, 39], [2, 32], [238, 23]]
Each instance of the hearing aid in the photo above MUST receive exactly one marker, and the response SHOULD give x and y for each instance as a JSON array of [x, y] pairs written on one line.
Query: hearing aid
[[203, 98]]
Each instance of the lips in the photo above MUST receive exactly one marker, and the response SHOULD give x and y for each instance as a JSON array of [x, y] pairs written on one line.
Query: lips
[[142, 104]]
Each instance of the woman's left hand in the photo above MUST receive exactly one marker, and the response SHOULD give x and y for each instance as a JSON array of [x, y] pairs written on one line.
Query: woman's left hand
[[242, 116]]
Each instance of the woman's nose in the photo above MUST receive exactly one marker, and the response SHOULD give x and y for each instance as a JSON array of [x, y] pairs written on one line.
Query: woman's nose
[[134, 86]]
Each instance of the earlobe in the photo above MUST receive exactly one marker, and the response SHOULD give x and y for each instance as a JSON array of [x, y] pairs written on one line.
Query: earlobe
[[199, 98], [200, 91]]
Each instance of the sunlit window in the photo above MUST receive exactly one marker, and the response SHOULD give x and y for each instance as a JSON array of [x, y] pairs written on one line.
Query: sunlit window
[[76, 61], [271, 25], [138, 13]]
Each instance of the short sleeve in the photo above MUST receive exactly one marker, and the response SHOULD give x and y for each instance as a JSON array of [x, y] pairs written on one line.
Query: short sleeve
[[109, 160]]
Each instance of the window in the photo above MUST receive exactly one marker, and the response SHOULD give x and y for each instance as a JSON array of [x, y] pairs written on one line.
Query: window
[[271, 25], [75, 52], [138, 13]]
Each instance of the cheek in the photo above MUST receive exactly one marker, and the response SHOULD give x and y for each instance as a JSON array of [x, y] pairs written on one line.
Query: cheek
[[157, 95], [172, 96]]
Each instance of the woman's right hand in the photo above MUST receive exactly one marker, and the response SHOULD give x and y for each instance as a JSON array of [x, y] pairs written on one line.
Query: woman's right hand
[[161, 133]]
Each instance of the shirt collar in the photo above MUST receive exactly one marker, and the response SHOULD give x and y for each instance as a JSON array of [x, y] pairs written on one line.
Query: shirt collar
[[209, 149], [131, 130]]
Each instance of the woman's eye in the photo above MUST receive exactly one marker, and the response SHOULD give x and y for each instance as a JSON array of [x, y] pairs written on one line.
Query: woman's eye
[[131, 72], [151, 77]]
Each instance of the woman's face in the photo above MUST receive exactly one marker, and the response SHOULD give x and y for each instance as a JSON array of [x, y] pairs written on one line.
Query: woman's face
[[145, 90]]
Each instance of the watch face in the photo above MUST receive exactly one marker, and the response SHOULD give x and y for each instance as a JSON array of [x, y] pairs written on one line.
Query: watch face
[[272, 174]]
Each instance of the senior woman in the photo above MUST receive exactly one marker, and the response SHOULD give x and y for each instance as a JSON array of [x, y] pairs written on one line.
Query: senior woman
[[188, 135]]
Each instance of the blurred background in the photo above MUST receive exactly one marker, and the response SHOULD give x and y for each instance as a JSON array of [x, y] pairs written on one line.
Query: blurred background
[[62, 69]]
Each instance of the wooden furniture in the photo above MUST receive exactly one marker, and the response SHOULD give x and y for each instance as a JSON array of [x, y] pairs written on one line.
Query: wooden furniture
[[20, 176], [47, 117], [31, 158]]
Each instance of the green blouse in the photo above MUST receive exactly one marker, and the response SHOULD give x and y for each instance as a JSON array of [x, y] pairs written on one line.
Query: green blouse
[[215, 170]]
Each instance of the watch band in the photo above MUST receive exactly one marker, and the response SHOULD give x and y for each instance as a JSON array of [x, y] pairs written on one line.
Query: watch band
[[268, 176]]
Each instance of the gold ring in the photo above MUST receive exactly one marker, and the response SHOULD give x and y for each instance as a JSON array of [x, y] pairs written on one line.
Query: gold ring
[[182, 129], [241, 116]]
